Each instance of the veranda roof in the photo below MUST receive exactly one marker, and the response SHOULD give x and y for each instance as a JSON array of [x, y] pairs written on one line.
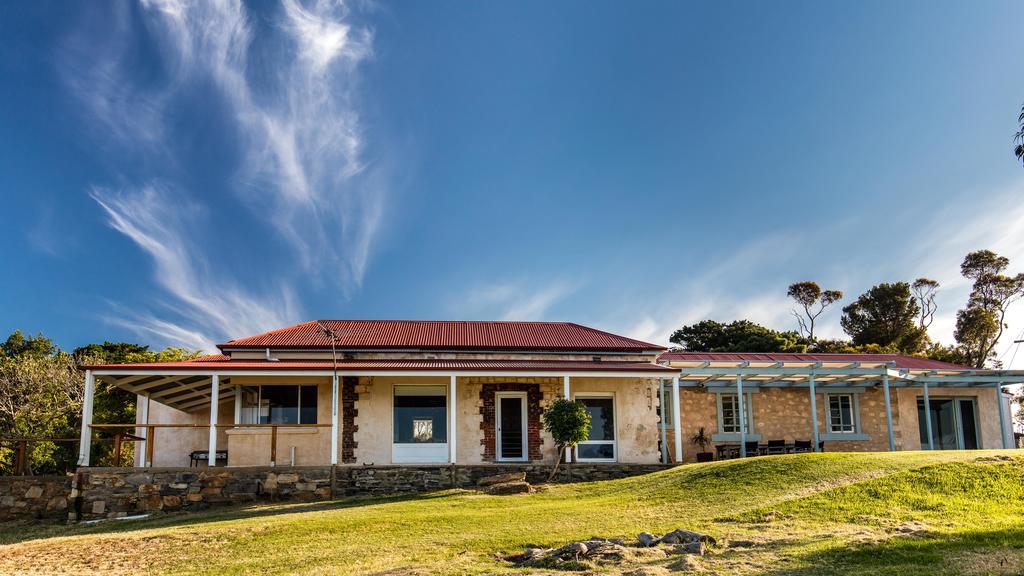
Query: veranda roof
[[188, 385], [717, 369]]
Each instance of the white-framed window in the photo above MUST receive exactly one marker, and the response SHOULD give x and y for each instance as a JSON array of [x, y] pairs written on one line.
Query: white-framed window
[[600, 443], [419, 423], [667, 410], [420, 415], [842, 413], [279, 404], [729, 414]]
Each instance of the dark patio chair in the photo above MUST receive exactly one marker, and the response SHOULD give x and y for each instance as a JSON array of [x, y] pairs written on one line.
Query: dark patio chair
[[727, 451], [821, 446], [776, 447], [753, 449], [801, 446]]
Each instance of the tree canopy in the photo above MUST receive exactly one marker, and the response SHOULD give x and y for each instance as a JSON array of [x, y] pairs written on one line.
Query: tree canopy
[[886, 315], [1018, 138], [980, 325], [41, 394], [813, 301], [737, 336]]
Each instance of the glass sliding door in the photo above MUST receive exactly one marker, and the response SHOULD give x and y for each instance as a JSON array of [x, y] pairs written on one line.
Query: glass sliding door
[[954, 423], [420, 424]]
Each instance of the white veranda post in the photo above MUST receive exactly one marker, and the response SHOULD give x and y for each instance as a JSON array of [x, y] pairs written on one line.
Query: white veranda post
[[814, 412], [451, 420], [565, 394], [214, 401], [677, 428], [742, 417], [334, 420], [85, 441], [143, 431], [888, 410]]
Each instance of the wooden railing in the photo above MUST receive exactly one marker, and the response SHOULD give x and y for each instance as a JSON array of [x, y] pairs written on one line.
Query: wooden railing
[[21, 450], [119, 436]]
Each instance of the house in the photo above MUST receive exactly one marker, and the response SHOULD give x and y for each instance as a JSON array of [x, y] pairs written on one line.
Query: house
[[360, 392], [394, 392]]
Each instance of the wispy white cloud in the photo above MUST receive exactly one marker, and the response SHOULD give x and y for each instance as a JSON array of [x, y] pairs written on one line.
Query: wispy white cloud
[[208, 308], [299, 124], [290, 93], [731, 286], [751, 282], [515, 300]]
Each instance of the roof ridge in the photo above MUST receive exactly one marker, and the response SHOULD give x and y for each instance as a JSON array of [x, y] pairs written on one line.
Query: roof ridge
[[275, 331], [607, 333]]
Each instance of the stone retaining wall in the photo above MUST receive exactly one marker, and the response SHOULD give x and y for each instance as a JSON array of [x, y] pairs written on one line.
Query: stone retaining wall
[[34, 496], [117, 492]]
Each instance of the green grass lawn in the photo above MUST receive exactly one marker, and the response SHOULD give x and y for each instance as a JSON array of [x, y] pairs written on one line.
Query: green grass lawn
[[901, 513]]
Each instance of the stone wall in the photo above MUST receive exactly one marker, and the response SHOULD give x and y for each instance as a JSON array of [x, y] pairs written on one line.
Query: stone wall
[[34, 496], [118, 492]]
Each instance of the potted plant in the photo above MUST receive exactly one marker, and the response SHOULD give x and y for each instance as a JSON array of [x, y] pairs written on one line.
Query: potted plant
[[701, 439]]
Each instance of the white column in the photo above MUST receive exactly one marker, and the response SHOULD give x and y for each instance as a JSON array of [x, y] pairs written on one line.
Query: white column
[[664, 416], [928, 418], [140, 456], [334, 420], [1003, 428], [451, 421], [742, 416], [85, 441], [677, 428], [214, 400], [567, 396], [238, 404], [814, 413], [888, 410]]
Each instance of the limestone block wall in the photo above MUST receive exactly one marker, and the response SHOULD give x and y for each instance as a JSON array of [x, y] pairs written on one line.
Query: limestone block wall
[[784, 413], [24, 497], [989, 431], [636, 415]]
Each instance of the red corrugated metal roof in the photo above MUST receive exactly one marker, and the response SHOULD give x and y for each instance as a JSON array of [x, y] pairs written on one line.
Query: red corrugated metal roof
[[215, 363], [445, 335], [902, 361]]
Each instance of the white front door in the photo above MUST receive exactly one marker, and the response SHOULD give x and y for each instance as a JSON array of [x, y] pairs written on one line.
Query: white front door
[[510, 419]]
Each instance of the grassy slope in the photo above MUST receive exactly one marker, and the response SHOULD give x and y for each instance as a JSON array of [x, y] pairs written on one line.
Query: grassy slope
[[818, 513]]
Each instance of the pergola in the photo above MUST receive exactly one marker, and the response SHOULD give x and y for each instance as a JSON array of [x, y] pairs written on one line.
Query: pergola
[[815, 375]]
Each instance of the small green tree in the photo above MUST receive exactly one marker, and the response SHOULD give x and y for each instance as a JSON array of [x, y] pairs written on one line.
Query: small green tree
[[568, 422]]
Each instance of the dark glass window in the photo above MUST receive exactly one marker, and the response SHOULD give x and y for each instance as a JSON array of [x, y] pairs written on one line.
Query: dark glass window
[[420, 415], [287, 404], [600, 442]]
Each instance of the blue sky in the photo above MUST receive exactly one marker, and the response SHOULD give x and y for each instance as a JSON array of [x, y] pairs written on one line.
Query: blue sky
[[183, 173]]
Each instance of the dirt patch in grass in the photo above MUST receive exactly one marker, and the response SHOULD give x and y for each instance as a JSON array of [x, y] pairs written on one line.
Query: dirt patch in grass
[[1006, 561], [109, 554]]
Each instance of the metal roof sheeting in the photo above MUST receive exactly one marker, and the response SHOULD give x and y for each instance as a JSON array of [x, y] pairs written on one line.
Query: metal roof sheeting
[[444, 335], [902, 361], [206, 365]]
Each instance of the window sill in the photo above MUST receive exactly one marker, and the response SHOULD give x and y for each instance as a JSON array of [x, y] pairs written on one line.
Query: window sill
[[837, 437], [265, 431], [723, 437]]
